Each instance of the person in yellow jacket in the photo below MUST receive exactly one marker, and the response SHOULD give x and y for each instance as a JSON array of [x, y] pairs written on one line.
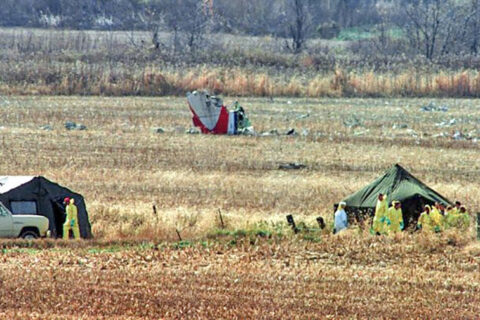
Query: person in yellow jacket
[[463, 218], [451, 218], [71, 221], [424, 221], [394, 218], [437, 218], [380, 212]]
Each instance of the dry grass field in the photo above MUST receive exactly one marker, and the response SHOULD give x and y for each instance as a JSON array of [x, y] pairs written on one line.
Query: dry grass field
[[134, 269], [345, 277]]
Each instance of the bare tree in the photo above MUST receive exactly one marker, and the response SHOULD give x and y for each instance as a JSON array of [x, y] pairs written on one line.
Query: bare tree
[[298, 24], [196, 22], [384, 10], [430, 22], [475, 26]]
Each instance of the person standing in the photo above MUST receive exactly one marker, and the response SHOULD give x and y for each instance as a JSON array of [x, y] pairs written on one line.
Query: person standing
[[464, 218], [380, 211], [451, 217], [394, 218], [71, 221], [341, 222], [458, 205], [424, 222], [437, 218]]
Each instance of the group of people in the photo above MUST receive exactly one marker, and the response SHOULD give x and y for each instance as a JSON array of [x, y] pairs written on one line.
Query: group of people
[[389, 220], [439, 218]]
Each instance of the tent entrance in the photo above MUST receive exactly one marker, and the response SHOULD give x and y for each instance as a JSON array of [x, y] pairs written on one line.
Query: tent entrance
[[59, 215]]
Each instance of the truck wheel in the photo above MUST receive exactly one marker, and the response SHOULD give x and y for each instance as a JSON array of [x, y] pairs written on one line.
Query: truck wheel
[[29, 235]]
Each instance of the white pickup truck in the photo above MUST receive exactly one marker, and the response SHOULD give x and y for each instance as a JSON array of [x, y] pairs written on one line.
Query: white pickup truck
[[22, 226]]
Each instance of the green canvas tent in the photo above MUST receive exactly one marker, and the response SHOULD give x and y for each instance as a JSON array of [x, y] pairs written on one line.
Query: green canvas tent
[[398, 184]]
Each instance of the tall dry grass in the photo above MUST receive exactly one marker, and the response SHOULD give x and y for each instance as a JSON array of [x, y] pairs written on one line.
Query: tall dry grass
[[43, 62], [121, 80]]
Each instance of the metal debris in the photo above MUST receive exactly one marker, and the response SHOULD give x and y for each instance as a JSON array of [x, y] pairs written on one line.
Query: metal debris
[[192, 131], [69, 125], [46, 127], [273, 132], [432, 107], [449, 123], [291, 132], [354, 122], [157, 130], [291, 166]]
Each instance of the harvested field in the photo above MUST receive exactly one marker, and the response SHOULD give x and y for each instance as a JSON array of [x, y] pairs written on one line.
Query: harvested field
[[346, 277], [256, 268], [123, 168]]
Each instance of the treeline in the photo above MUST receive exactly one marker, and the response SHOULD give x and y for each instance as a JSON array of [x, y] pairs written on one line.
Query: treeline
[[242, 47], [253, 17], [431, 28]]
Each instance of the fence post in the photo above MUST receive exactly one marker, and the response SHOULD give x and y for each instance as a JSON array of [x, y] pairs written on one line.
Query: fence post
[[321, 222], [291, 223], [478, 226]]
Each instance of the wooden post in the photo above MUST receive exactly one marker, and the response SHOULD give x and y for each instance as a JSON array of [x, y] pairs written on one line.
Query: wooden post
[[321, 222], [155, 213], [221, 218], [478, 226], [291, 223], [178, 234]]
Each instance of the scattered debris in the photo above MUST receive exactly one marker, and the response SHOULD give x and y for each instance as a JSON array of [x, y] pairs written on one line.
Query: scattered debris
[[450, 123], [305, 132], [291, 166], [352, 123], [458, 135], [157, 130], [400, 126], [248, 131], [440, 135], [303, 116], [432, 107], [273, 132], [69, 125], [46, 127], [193, 131], [291, 132], [360, 133], [412, 133]]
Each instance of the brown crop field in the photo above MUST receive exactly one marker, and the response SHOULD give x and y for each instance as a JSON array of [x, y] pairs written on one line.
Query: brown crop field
[[343, 277], [255, 268]]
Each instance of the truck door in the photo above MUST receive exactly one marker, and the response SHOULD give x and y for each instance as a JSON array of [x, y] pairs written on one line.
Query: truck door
[[6, 222]]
